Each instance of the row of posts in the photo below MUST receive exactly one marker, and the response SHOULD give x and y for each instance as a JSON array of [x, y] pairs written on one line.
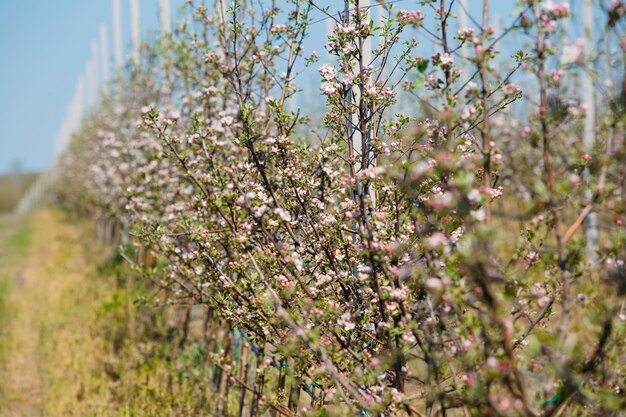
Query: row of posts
[[97, 72], [90, 84]]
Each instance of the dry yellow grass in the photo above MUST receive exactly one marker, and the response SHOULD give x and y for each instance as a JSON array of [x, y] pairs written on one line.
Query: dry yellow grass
[[73, 342], [50, 353]]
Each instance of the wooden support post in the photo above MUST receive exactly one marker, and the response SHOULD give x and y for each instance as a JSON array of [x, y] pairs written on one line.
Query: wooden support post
[[185, 326], [165, 14], [294, 393], [255, 385], [117, 34], [222, 401], [135, 29], [208, 318], [104, 57], [589, 137], [139, 257], [280, 386], [243, 376], [96, 76]]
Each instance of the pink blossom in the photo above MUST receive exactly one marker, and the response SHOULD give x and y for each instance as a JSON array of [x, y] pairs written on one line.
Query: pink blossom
[[327, 71], [329, 88]]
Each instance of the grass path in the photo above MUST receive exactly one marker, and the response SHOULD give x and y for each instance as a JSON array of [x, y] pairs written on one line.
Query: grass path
[[21, 387], [75, 341], [46, 317]]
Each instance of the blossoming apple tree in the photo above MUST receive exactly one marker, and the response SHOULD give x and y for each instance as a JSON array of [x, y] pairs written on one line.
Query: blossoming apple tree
[[426, 261]]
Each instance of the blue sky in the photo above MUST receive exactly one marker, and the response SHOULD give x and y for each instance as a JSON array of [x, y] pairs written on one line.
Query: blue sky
[[44, 46]]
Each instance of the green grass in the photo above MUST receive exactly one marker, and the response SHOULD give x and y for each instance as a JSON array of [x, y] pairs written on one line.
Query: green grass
[[15, 238], [19, 239], [4, 288], [4, 319]]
